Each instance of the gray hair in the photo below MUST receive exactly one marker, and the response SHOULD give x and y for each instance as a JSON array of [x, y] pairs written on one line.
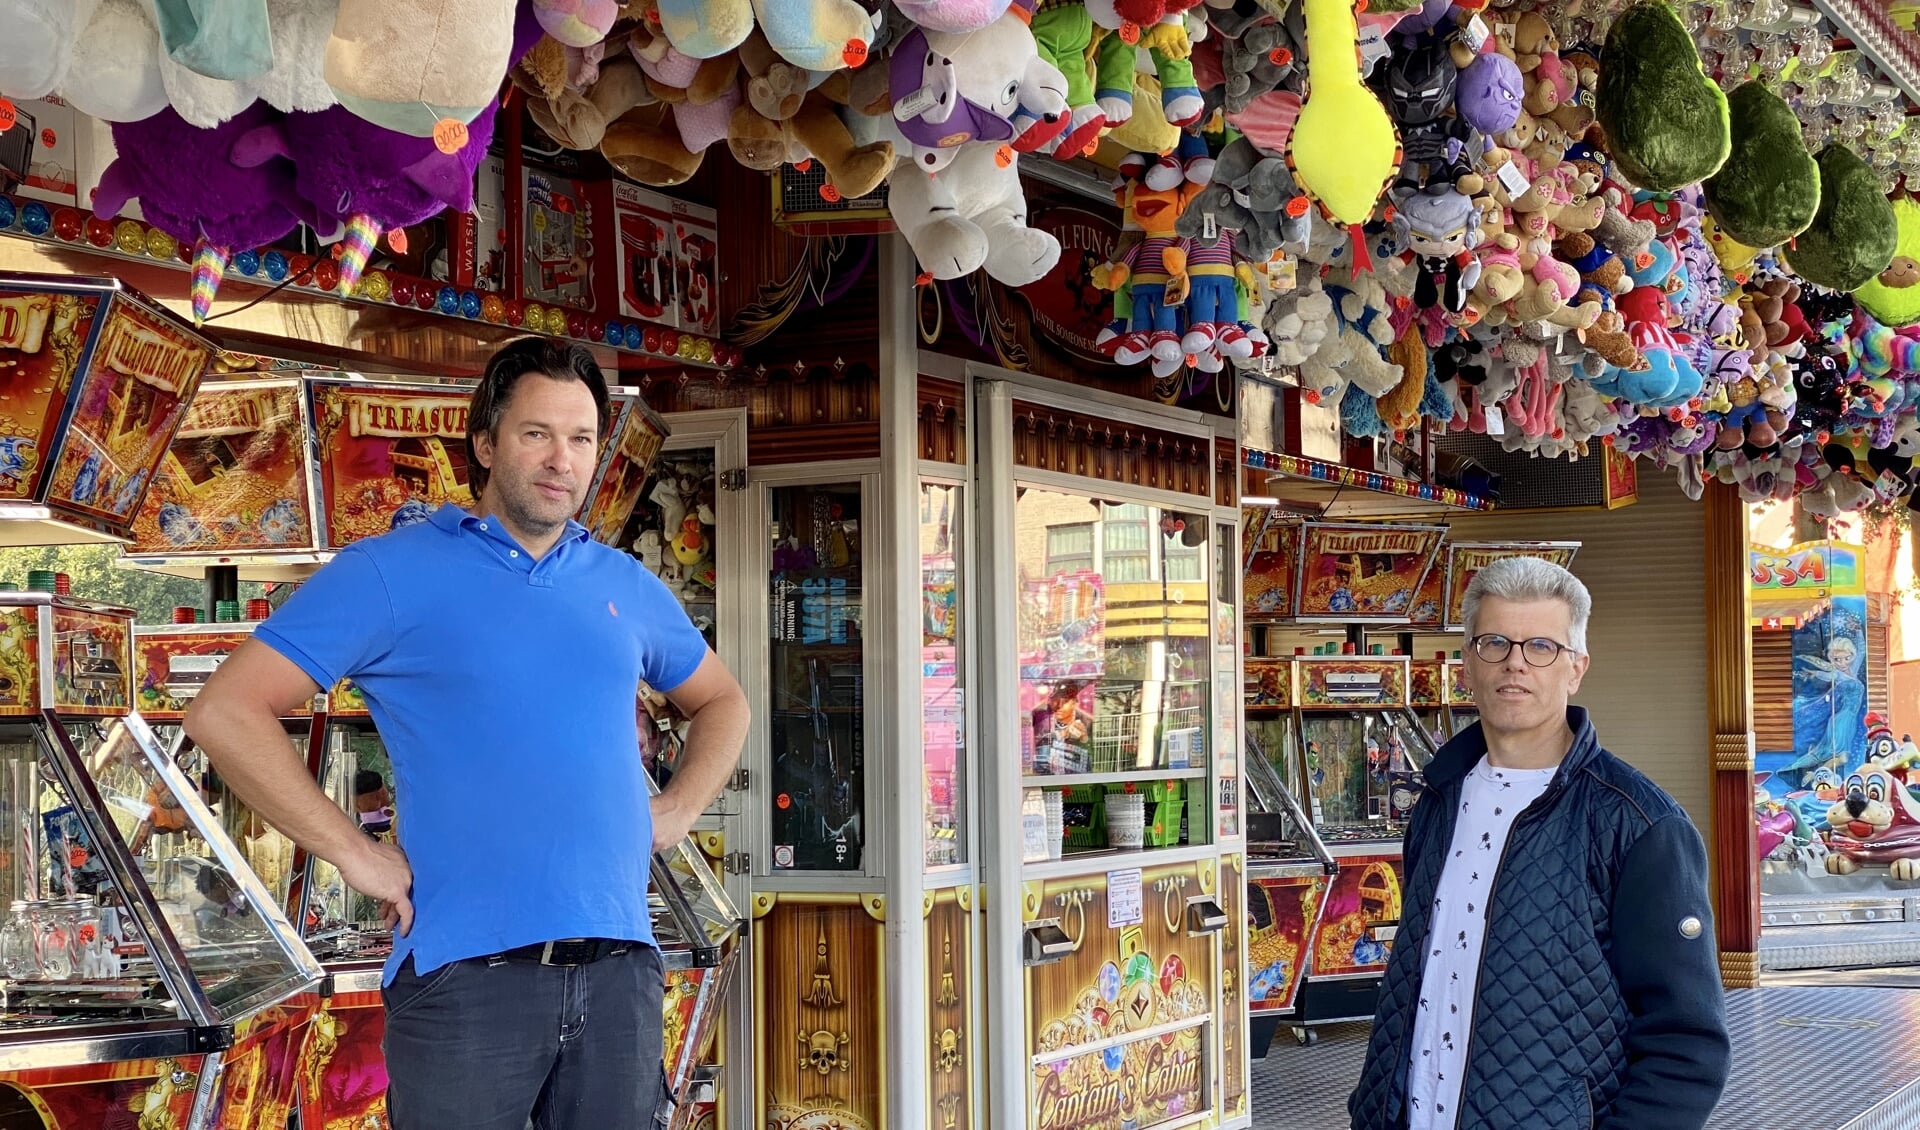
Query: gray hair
[[1528, 579]]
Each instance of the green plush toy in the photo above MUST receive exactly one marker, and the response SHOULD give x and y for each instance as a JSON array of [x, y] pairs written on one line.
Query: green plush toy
[[1769, 189], [1893, 297], [1853, 235], [1665, 121]]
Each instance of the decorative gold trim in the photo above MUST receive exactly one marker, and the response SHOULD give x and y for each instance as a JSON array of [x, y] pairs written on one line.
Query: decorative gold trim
[[1209, 876], [964, 896], [875, 906], [763, 902], [1030, 896], [1739, 970], [926, 903], [713, 843], [1733, 753]]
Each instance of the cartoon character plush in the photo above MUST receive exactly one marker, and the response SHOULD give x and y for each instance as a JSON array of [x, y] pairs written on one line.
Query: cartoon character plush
[[1421, 81], [814, 35], [1159, 45], [1063, 33], [1154, 273], [1252, 194], [1344, 146], [974, 213], [1440, 232]]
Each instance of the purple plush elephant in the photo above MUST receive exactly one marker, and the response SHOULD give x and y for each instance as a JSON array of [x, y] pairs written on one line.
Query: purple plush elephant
[[189, 187]]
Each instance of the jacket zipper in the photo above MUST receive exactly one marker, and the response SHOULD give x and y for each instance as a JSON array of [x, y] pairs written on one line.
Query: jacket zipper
[[1493, 894]]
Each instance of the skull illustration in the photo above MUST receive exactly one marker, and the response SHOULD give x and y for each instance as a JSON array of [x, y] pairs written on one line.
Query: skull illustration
[[823, 1051]]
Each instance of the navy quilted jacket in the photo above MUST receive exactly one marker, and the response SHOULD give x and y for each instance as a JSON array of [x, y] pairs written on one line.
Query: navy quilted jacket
[[1599, 997]]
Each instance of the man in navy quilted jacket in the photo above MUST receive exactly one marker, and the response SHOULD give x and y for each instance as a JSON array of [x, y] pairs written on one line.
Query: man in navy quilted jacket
[[1555, 965]]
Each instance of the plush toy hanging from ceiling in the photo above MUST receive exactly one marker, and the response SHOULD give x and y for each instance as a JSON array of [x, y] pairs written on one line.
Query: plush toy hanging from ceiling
[[1344, 149], [1854, 234], [961, 206], [114, 74], [189, 187], [1893, 297], [1665, 121], [38, 45], [1769, 189], [417, 66], [814, 35]]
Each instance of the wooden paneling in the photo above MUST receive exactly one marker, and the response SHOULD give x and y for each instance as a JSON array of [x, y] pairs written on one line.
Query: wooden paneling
[[1772, 689], [1050, 439], [1226, 466], [943, 420], [822, 1047], [798, 415], [1729, 727], [950, 1064]]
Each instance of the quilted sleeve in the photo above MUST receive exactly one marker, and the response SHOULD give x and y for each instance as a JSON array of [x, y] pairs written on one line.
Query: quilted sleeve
[[1665, 962]]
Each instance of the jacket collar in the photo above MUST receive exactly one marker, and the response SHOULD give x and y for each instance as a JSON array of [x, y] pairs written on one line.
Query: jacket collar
[[1454, 759]]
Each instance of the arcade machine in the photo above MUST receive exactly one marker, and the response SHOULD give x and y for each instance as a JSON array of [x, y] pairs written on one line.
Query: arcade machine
[[1289, 869], [142, 954], [1338, 730]]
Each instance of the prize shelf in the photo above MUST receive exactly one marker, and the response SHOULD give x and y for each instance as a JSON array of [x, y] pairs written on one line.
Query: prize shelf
[[1067, 780], [1083, 862]]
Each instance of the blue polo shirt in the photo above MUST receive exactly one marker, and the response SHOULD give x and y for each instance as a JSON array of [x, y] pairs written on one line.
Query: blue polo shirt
[[504, 689]]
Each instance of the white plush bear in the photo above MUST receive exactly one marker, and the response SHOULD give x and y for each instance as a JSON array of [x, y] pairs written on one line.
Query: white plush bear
[[38, 47], [972, 213], [1299, 323], [114, 72]]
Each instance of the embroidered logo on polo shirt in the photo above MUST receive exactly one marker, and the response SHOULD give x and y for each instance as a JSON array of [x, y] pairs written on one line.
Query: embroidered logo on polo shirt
[[612, 611]]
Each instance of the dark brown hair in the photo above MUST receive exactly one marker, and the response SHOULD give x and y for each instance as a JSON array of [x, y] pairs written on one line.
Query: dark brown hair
[[509, 363]]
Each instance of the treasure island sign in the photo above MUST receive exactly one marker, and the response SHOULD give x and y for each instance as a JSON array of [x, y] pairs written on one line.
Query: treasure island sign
[[389, 454]]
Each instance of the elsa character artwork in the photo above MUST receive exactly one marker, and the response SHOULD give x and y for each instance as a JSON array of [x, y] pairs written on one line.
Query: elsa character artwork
[[1829, 708]]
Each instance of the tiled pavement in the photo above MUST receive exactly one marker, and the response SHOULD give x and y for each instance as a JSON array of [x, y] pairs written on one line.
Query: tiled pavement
[[1805, 1057]]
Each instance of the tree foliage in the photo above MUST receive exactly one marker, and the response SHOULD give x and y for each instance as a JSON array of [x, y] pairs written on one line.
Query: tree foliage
[[96, 575]]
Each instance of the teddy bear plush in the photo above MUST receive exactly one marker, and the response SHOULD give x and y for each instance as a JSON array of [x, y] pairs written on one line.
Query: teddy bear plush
[[408, 64], [113, 72]]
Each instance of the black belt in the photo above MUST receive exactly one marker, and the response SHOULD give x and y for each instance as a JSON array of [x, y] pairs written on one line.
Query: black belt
[[566, 951]]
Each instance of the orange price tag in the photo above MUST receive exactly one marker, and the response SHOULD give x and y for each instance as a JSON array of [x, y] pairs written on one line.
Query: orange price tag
[[1279, 56], [854, 53], [1129, 32], [76, 856], [1297, 207], [1003, 156], [803, 166], [449, 135], [1092, 147], [923, 278], [397, 240], [8, 115], [829, 194], [653, 16], [1643, 260], [783, 801]]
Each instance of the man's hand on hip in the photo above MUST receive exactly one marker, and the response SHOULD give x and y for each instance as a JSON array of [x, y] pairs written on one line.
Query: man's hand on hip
[[380, 870], [672, 820]]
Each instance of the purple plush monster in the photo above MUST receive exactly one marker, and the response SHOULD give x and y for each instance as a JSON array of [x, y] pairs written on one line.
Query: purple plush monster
[[1490, 93], [189, 187], [345, 166]]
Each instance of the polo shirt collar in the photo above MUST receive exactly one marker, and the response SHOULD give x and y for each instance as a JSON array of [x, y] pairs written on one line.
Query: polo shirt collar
[[455, 519]]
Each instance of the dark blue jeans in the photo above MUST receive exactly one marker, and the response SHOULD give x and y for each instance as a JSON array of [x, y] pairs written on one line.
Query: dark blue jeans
[[486, 1046]]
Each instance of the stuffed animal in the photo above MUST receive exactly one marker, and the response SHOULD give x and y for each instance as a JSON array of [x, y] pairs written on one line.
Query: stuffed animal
[[1251, 194], [1063, 34], [952, 15], [1437, 156], [1769, 189], [1160, 46], [1893, 296], [1665, 120], [409, 65], [1855, 233], [1155, 273], [1489, 92], [1440, 232], [814, 35], [1344, 147], [974, 213], [114, 72], [38, 47]]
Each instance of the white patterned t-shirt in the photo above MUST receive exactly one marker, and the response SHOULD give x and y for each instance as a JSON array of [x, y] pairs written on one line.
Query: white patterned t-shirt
[[1489, 800]]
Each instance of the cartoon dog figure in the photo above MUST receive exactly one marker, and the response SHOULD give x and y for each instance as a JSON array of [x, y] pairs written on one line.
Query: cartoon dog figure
[[1877, 821]]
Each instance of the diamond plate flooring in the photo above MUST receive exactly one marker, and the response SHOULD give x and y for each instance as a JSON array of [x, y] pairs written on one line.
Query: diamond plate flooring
[[1804, 1058]]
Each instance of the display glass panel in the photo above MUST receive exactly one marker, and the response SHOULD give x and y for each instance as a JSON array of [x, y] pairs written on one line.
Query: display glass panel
[[942, 675], [338, 921], [1115, 667], [816, 678], [674, 532], [1363, 771]]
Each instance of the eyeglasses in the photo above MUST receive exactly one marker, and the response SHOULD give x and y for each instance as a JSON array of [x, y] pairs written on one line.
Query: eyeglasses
[[1540, 651]]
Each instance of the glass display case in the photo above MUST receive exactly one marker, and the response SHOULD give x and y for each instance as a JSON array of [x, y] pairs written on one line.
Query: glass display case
[[942, 674], [131, 908], [1361, 751], [1115, 673], [816, 654]]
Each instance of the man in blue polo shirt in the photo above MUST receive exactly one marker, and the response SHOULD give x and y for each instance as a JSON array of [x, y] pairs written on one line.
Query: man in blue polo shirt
[[499, 652]]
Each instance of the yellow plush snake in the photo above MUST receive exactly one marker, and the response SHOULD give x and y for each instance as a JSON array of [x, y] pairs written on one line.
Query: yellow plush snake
[[1344, 148]]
